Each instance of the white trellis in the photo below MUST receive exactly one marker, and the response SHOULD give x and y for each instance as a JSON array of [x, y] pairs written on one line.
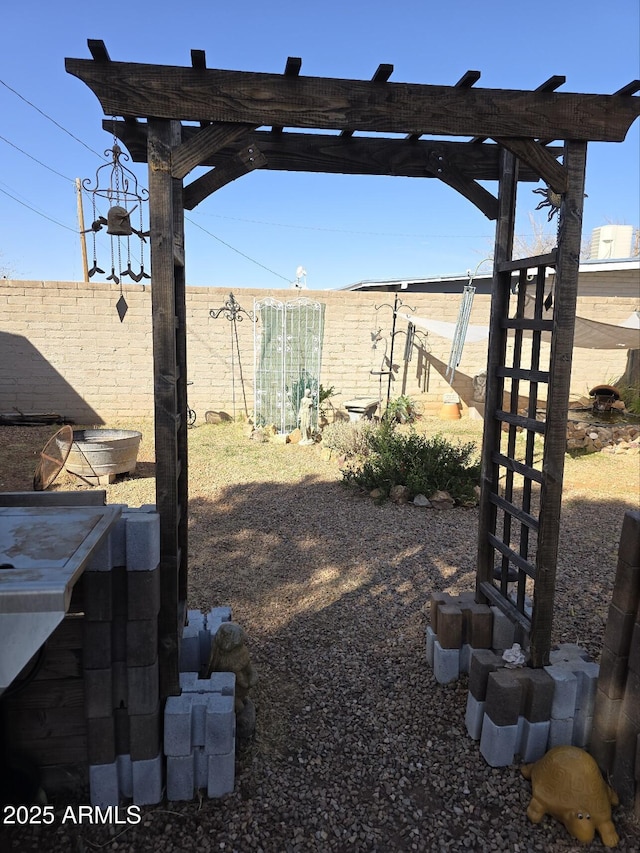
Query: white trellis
[[287, 359]]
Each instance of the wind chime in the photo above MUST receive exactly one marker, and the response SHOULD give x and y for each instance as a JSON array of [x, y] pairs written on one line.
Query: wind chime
[[124, 198], [232, 311]]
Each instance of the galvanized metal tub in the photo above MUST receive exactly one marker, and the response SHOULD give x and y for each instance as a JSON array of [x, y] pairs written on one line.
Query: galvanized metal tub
[[98, 455]]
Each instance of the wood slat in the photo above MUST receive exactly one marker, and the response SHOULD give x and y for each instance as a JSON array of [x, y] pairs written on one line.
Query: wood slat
[[518, 467], [521, 421], [513, 510], [198, 59], [528, 324], [468, 79], [512, 555], [504, 605], [189, 94], [548, 260], [523, 373]]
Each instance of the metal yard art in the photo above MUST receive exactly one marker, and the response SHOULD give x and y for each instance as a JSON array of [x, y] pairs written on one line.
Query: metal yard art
[[125, 198]]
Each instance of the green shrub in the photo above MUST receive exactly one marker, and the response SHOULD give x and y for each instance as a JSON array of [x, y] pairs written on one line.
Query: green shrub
[[424, 465], [351, 439]]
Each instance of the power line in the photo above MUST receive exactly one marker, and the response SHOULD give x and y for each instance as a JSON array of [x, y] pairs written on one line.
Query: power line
[[33, 209], [35, 160], [52, 120], [237, 251]]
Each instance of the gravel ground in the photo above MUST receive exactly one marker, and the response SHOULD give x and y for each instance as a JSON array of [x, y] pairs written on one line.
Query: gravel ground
[[357, 747]]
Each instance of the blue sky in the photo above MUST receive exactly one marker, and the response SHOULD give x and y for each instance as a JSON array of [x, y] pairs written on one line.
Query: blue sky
[[257, 230]]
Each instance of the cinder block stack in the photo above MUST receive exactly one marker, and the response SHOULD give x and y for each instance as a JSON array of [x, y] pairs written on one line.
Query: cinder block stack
[[526, 711], [512, 712], [199, 736], [121, 591], [615, 741], [200, 724]]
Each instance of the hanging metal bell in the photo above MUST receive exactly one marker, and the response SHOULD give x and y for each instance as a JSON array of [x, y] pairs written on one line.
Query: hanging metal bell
[[118, 222]]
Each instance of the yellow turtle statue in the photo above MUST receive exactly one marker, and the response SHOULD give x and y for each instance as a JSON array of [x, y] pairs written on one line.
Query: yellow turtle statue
[[566, 783]]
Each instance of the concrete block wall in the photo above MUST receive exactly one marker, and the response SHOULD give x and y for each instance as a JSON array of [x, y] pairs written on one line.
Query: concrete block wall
[[123, 711], [615, 742], [64, 349], [512, 712], [137, 744]]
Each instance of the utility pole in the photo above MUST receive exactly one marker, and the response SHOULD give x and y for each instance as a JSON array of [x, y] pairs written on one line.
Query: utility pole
[[83, 237]]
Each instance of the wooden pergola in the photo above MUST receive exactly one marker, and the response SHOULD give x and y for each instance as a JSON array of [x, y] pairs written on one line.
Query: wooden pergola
[[178, 118]]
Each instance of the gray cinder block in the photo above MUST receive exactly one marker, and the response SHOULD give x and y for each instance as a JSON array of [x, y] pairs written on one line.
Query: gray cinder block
[[430, 640], [143, 688], [97, 591], [198, 717], [218, 682], [201, 767], [446, 664], [216, 616], [474, 716], [101, 740], [482, 662], [177, 725], [142, 642], [567, 652], [498, 744], [504, 697], [465, 657], [582, 726], [565, 689], [180, 777], [96, 644], [533, 739], [504, 631], [587, 674], [98, 692], [103, 784], [125, 776], [143, 594], [142, 541], [538, 687], [220, 725], [147, 781], [561, 732], [144, 734], [221, 774]]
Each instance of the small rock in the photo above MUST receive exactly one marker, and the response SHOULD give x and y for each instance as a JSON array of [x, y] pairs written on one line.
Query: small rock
[[422, 500], [399, 494], [441, 500]]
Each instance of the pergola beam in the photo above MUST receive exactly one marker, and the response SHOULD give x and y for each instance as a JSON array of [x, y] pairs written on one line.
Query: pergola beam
[[321, 152], [196, 94]]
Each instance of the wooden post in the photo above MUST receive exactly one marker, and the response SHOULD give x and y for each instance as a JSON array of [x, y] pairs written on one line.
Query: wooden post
[[495, 359], [564, 315], [83, 236], [169, 348]]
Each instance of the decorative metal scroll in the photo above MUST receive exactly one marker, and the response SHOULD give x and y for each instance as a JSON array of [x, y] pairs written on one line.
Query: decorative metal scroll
[[232, 311]]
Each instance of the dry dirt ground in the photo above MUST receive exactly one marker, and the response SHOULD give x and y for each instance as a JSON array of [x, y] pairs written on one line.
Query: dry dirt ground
[[357, 747]]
